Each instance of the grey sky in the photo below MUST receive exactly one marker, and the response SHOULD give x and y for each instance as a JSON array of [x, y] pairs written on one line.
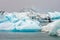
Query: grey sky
[[16, 5]]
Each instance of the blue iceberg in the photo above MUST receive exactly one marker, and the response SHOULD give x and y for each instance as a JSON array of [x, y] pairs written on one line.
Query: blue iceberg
[[54, 15], [12, 23], [26, 24]]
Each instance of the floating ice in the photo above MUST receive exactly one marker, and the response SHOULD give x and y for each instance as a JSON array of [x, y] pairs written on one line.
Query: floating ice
[[20, 15], [26, 24], [52, 28], [15, 22], [6, 22], [11, 17], [6, 26], [3, 18], [54, 15]]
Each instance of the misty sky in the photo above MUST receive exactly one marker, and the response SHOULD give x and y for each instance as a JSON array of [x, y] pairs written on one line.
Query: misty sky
[[16, 5]]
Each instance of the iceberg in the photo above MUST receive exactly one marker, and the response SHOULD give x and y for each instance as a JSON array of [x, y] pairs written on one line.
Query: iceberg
[[6, 26], [18, 22], [52, 28], [54, 15], [6, 22], [26, 24], [2, 18], [11, 17]]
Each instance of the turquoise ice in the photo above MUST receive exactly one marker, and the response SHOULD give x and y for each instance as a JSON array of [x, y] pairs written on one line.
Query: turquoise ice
[[54, 15], [11, 23], [26, 23], [5, 23]]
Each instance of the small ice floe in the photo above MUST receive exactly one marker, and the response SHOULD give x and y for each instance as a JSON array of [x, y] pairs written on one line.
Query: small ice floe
[[54, 15], [52, 28]]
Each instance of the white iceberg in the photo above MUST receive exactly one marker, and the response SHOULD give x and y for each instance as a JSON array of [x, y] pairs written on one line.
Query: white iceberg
[[2, 18], [11, 17], [6, 26], [16, 22], [27, 24], [52, 28], [54, 15], [20, 15], [6, 22]]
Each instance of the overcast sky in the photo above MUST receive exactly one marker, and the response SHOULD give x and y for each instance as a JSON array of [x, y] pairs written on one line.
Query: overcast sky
[[16, 5]]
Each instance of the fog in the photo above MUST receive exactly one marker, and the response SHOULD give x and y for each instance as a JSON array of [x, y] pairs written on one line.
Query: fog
[[16, 5]]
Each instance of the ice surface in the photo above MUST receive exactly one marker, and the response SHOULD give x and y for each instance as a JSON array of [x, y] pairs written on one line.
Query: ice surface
[[27, 23], [2, 18], [54, 15], [52, 28], [20, 15], [6, 22], [18, 21], [6, 26], [11, 17]]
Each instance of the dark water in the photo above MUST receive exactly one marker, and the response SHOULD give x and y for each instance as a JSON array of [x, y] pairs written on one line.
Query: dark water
[[26, 36]]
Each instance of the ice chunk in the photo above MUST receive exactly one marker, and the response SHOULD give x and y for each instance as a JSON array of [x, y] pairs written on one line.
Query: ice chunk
[[54, 15], [52, 28], [6, 26], [58, 32], [16, 22], [27, 24], [20, 15], [7, 21], [11, 17], [3, 18]]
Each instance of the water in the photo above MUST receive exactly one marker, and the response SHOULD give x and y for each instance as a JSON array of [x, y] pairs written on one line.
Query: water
[[26, 36]]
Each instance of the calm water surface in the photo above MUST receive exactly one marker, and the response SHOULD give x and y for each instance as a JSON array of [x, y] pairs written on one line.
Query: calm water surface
[[26, 36]]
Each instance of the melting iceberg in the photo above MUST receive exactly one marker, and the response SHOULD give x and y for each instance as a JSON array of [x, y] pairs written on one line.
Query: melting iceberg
[[11, 17], [27, 24], [6, 26], [18, 22], [52, 28], [7, 21], [54, 15]]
